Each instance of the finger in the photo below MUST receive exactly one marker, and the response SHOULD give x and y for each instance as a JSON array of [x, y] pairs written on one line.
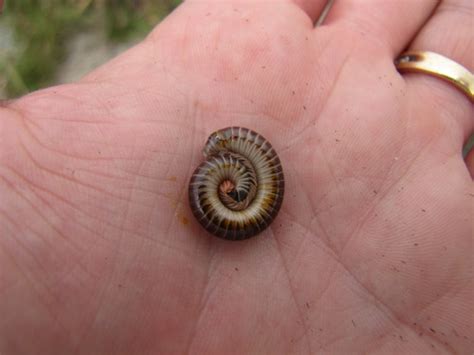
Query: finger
[[312, 8], [392, 23], [448, 32]]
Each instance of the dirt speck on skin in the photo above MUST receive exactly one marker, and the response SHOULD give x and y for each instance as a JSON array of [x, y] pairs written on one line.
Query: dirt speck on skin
[[236, 269], [184, 220], [415, 244], [353, 323], [434, 331], [173, 178], [307, 305]]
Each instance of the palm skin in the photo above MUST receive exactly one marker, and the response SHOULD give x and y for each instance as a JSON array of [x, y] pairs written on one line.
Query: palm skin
[[371, 252]]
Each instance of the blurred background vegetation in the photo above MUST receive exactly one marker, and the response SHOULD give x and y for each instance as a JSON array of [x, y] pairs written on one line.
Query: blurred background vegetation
[[35, 34]]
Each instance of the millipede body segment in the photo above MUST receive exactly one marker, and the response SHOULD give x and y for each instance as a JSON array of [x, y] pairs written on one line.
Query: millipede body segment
[[237, 191]]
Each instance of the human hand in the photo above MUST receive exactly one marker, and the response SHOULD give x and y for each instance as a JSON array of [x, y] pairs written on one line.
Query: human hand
[[371, 252]]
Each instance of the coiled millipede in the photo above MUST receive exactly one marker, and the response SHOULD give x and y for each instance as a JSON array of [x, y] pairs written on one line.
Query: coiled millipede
[[237, 191]]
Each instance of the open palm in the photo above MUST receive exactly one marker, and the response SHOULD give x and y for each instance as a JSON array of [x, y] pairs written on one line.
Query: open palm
[[371, 251]]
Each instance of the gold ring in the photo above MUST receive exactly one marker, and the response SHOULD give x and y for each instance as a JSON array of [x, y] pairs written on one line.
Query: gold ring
[[438, 66]]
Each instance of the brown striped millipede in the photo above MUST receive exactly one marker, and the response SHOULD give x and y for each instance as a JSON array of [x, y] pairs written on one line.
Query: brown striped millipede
[[237, 191]]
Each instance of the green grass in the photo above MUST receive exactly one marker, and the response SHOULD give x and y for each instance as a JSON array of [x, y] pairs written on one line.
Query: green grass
[[468, 146], [41, 30]]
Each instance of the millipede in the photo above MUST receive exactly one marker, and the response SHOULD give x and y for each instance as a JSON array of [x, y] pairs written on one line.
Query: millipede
[[237, 191]]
